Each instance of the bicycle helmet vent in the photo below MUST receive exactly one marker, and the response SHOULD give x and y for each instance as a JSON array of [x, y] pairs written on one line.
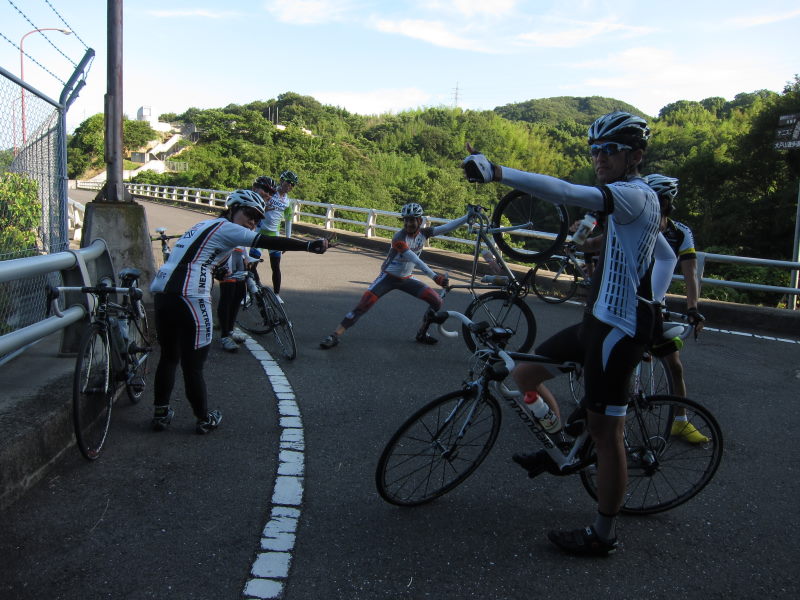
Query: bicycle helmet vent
[[620, 127], [247, 198], [412, 209]]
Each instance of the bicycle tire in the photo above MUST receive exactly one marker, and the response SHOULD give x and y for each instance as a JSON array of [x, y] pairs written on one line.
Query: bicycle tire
[[415, 468], [652, 377], [555, 280], [664, 471], [501, 309], [92, 392], [253, 316], [281, 325], [518, 208], [139, 348]]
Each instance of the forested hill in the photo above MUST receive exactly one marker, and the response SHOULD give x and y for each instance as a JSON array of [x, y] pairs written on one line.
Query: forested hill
[[582, 110], [736, 192]]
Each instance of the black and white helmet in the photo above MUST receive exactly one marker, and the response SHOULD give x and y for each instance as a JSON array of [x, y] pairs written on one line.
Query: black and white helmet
[[663, 185], [620, 127], [247, 198], [266, 183], [412, 209], [666, 188]]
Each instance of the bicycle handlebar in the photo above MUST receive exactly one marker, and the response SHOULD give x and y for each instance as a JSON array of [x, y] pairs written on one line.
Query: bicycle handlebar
[[481, 329], [54, 293]]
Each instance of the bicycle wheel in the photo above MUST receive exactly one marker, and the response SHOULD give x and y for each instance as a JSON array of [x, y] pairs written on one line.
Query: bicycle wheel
[[253, 315], [555, 280], [139, 349], [542, 226], [92, 393], [281, 325], [651, 377], [664, 470], [437, 448], [501, 309]]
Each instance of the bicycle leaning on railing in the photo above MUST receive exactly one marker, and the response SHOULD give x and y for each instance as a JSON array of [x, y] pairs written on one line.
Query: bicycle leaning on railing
[[164, 239], [443, 442], [527, 229], [261, 312], [558, 277], [113, 352]]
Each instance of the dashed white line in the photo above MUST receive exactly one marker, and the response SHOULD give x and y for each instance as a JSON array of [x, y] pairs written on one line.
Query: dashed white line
[[271, 567]]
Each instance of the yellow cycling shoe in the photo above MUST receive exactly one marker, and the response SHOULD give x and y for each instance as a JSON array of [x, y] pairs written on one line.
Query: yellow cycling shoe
[[688, 432]]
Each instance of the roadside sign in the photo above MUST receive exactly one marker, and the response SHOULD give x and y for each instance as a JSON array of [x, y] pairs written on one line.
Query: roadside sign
[[787, 136]]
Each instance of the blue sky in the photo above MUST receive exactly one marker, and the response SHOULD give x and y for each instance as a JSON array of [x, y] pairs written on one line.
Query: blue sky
[[372, 56]]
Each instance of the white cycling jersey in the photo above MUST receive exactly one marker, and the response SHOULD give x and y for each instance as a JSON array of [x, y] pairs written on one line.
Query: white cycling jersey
[[631, 231], [405, 251], [188, 272], [278, 209]]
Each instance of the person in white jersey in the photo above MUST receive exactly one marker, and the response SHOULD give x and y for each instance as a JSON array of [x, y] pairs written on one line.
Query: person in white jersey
[[396, 270], [606, 340], [182, 298], [278, 207]]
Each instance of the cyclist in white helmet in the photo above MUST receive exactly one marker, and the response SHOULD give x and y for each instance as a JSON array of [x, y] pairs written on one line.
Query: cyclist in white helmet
[[606, 341], [681, 242], [403, 257], [182, 298], [278, 208]]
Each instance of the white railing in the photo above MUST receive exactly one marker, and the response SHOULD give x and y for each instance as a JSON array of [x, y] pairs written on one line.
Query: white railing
[[215, 199]]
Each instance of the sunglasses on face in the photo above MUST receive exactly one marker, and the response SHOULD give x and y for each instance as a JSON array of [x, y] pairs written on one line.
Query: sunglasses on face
[[253, 214], [608, 148]]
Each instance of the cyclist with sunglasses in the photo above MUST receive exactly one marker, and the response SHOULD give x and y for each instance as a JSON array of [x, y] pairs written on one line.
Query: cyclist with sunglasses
[[278, 208], [182, 298], [606, 341]]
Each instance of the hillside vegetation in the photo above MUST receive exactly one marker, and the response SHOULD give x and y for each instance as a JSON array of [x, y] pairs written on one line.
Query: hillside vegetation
[[737, 193]]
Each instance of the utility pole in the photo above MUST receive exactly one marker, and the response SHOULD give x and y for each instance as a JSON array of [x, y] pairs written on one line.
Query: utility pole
[[455, 97], [113, 215]]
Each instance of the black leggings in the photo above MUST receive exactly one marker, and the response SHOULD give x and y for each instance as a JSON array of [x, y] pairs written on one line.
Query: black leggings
[[275, 265], [177, 330], [230, 299]]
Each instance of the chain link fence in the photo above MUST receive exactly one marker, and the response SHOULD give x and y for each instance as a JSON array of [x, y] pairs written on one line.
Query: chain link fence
[[31, 207]]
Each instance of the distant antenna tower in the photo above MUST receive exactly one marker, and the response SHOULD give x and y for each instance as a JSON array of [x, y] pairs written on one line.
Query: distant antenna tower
[[455, 96]]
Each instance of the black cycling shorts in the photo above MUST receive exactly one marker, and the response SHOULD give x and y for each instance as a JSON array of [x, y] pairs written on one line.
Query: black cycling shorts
[[608, 357]]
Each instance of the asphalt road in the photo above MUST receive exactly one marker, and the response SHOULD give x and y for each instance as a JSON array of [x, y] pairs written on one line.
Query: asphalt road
[[177, 515]]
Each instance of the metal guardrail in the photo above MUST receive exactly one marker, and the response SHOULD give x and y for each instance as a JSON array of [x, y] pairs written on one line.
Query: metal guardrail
[[215, 199], [81, 267]]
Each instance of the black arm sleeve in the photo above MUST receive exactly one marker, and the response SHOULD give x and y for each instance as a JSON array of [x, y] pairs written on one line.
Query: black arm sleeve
[[276, 242]]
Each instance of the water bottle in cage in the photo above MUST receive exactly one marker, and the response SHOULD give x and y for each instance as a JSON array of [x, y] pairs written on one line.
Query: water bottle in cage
[[494, 267]]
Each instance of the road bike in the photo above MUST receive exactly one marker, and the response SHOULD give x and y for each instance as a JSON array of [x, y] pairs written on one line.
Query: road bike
[[445, 441], [558, 277], [502, 304], [164, 239], [262, 312], [113, 354]]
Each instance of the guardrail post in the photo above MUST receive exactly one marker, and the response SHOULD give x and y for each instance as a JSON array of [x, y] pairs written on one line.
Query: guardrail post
[[330, 214], [372, 219]]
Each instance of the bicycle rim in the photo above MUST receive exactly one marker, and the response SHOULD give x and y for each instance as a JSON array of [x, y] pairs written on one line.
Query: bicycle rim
[[138, 353], [253, 315], [554, 281], [534, 242], [92, 393], [282, 327], [664, 470], [437, 448], [503, 310]]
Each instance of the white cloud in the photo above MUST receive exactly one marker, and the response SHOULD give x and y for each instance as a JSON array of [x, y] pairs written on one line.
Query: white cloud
[[308, 12], [433, 32], [376, 101], [494, 9], [570, 34], [758, 20], [199, 12]]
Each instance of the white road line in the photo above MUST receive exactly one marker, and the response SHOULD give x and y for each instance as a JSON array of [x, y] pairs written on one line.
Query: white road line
[[273, 561]]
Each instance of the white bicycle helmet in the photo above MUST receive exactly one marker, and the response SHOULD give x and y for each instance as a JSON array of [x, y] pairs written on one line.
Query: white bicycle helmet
[[246, 198], [663, 185], [412, 209], [620, 127]]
